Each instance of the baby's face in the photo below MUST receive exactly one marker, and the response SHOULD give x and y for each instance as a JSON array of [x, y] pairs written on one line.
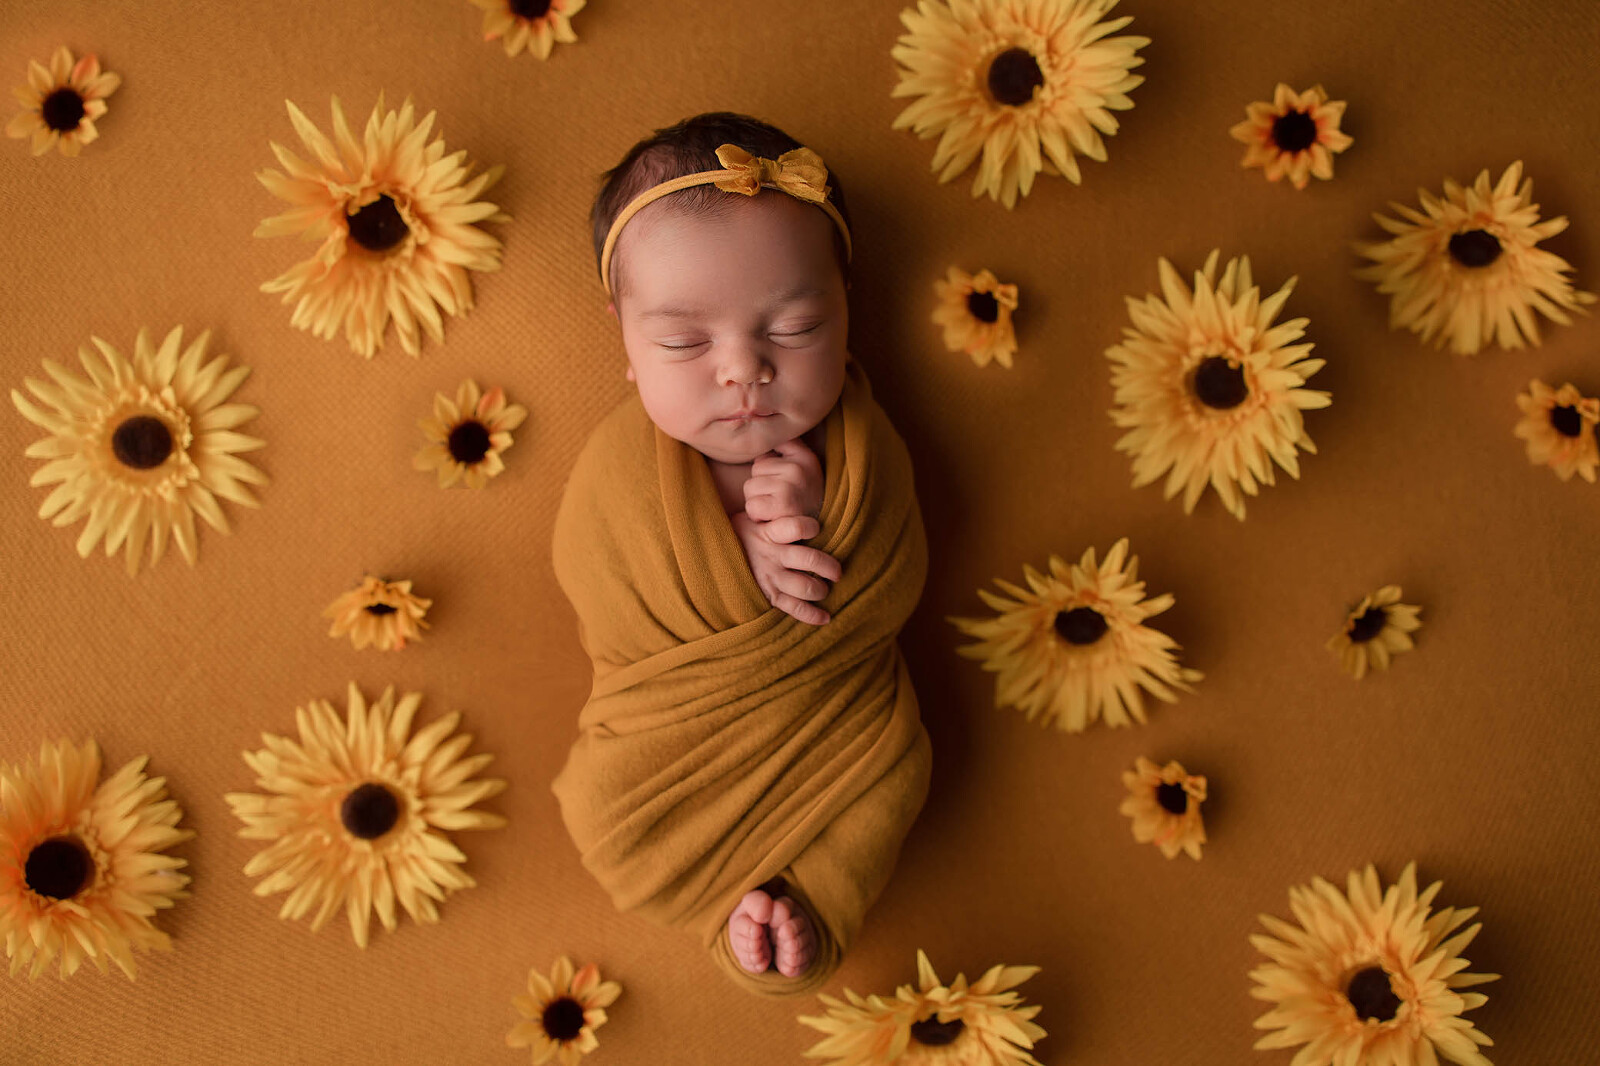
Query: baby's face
[[741, 311]]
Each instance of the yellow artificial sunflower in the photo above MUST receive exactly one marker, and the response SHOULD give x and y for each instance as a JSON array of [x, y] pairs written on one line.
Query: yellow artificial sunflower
[[356, 811], [381, 613], [61, 102], [1297, 134], [1369, 977], [1210, 391], [81, 869], [1028, 85], [984, 1024], [1559, 426], [1076, 646], [1465, 269], [534, 24], [975, 311], [467, 435], [1164, 803], [560, 1013], [396, 219], [142, 446], [1379, 628]]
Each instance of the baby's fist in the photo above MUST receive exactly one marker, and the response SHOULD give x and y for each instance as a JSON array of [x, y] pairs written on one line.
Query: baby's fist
[[784, 482]]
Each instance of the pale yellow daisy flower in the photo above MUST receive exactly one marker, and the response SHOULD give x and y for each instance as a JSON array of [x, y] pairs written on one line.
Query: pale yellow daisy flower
[[468, 434], [381, 613], [1164, 803], [537, 25], [560, 1013], [1559, 427], [1378, 629], [975, 311], [61, 102], [1296, 135]]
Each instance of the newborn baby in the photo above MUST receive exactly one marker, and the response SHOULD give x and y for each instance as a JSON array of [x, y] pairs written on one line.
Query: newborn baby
[[730, 295]]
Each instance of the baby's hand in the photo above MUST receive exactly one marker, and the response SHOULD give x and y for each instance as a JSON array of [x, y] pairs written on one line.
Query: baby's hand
[[789, 574], [786, 481]]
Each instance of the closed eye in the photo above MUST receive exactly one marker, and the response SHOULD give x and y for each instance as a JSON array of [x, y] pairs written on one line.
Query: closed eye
[[796, 332]]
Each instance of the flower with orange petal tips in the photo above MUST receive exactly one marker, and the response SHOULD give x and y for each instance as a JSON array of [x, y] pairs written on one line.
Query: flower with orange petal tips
[[1297, 134], [396, 221], [61, 102], [1466, 269], [467, 435], [81, 869], [560, 1013], [537, 25], [1164, 803], [1559, 426], [975, 311], [1376, 630], [381, 613]]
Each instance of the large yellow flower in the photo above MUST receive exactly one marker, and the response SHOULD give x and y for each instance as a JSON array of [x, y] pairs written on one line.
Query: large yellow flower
[[1210, 391], [1369, 977], [982, 1024], [1295, 135], [975, 311], [356, 810], [1028, 83], [81, 869], [61, 103], [1164, 803], [1465, 268], [1076, 646], [141, 447], [396, 220], [533, 24], [1559, 426], [560, 1013], [1376, 630]]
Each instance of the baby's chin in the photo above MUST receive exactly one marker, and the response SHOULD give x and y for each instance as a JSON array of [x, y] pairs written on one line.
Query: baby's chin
[[736, 445]]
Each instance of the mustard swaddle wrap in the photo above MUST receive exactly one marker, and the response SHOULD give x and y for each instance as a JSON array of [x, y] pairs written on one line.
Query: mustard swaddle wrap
[[724, 743]]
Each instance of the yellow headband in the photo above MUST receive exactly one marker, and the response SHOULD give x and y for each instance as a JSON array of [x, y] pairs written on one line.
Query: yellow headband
[[799, 173]]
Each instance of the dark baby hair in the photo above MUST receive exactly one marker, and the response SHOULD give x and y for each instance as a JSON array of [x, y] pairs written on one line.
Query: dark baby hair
[[690, 147]]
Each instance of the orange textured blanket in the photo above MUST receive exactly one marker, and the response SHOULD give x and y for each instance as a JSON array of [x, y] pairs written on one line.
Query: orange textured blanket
[[724, 743]]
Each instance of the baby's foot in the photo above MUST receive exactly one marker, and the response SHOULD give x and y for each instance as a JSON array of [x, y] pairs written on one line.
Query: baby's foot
[[747, 931], [793, 937]]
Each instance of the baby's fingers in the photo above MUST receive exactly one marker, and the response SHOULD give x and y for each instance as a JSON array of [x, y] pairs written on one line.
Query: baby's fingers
[[791, 528], [800, 610], [799, 557]]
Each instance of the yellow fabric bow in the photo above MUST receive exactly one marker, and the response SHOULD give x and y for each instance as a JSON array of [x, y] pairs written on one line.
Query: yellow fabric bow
[[799, 173]]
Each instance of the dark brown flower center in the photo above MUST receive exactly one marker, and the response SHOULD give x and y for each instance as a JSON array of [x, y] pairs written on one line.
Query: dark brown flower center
[[983, 306], [1369, 625], [530, 9], [378, 227], [59, 868], [1013, 75], [1565, 421], [1294, 132], [1172, 797], [1219, 384], [369, 811], [562, 1018], [1081, 625], [380, 609], [142, 442], [1474, 248], [62, 110], [1369, 993], [469, 442], [934, 1033]]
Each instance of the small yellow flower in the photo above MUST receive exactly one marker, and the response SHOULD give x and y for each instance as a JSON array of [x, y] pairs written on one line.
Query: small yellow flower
[[561, 1012], [382, 613], [62, 101], [1075, 647], [1297, 134], [1559, 426], [467, 435], [975, 311], [535, 24], [1379, 628], [984, 1024], [1465, 269], [1164, 803]]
